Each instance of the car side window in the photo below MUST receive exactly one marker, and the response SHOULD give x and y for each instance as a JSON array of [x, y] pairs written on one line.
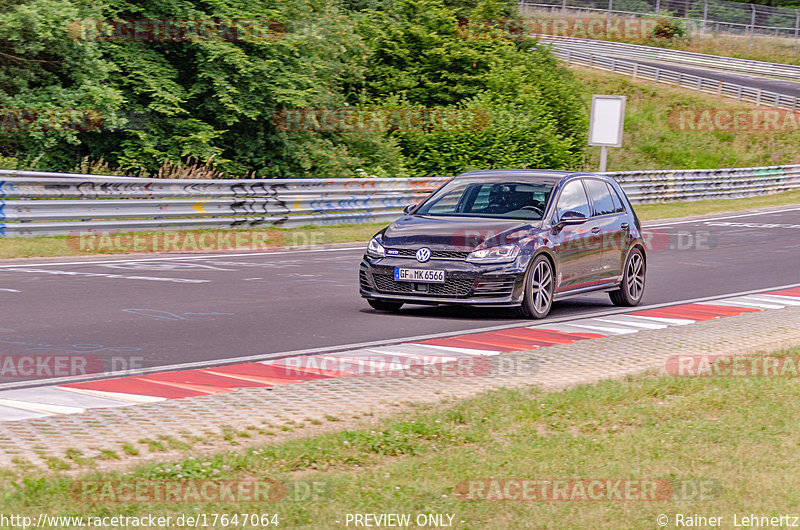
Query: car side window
[[573, 197], [618, 204], [602, 203]]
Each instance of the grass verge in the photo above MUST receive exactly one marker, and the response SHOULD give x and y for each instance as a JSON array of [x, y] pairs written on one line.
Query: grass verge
[[732, 440], [206, 240], [656, 138]]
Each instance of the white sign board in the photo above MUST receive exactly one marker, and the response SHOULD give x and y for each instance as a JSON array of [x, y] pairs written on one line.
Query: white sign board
[[606, 121]]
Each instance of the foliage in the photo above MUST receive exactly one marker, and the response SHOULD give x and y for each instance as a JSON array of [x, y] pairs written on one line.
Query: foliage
[[667, 28], [536, 116], [142, 104]]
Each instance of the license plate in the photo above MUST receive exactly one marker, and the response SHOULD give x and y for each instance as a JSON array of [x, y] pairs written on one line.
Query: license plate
[[418, 275]]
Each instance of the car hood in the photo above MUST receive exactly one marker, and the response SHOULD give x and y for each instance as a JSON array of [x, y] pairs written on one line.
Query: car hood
[[454, 233]]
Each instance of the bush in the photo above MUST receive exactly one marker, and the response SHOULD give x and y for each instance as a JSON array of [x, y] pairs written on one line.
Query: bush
[[667, 28], [215, 102]]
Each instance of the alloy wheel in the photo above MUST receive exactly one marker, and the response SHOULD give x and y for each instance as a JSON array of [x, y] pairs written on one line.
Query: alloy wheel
[[635, 276]]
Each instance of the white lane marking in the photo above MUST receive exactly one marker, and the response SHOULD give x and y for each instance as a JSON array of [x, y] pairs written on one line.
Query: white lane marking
[[709, 300], [777, 299], [634, 323], [41, 407], [668, 321], [745, 302], [120, 396], [179, 258], [425, 359], [9, 290], [354, 357], [604, 329], [569, 327], [751, 225], [360, 247], [602, 323], [702, 220], [106, 275], [465, 351]]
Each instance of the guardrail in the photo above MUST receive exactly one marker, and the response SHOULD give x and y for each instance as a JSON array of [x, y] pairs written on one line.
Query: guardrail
[[699, 184], [34, 203], [665, 75], [713, 16], [651, 53]]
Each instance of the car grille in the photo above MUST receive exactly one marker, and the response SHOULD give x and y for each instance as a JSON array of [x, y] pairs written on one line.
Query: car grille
[[494, 287], [363, 280], [454, 287], [435, 254]]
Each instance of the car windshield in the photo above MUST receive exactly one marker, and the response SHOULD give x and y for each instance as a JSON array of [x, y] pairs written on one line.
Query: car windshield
[[505, 199]]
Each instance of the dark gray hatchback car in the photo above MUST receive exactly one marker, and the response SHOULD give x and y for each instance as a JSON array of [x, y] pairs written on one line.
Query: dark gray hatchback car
[[521, 239]]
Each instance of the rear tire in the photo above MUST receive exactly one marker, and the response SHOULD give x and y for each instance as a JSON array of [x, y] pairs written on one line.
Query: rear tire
[[539, 288], [381, 305], [631, 289]]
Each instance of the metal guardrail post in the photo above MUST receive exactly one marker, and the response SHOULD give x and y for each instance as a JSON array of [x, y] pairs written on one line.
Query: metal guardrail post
[[796, 28], [705, 18], [758, 96]]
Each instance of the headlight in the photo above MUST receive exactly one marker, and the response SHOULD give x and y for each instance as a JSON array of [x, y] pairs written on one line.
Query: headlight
[[375, 249], [499, 254]]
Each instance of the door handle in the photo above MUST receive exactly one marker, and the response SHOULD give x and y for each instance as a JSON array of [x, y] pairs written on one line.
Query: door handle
[[596, 230], [624, 226]]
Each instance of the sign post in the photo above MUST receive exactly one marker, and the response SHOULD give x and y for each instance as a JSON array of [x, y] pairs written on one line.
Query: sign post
[[606, 123]]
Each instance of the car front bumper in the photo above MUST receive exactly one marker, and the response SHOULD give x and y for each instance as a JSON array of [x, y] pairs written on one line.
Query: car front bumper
[[465, 283]]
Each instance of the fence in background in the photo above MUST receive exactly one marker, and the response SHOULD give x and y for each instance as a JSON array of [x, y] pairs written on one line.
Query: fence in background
[[652, 53], [670, 77], [700, 16], [35, 203]]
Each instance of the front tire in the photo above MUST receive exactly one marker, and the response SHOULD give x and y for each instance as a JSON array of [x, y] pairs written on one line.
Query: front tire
[[381, 305], [631, 289], [539, 289]]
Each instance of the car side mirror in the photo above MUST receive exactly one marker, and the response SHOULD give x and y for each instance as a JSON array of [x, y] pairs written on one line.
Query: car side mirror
[[572, 217], [407, 209]]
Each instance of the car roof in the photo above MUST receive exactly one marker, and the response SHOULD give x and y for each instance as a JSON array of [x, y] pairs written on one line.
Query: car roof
[[538, 174]]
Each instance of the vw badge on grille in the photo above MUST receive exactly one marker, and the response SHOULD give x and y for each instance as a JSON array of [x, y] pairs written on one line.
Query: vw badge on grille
[[423, 254]]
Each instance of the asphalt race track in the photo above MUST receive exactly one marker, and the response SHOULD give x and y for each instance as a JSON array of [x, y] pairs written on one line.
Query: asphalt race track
[[791, 88], [159, 311]]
